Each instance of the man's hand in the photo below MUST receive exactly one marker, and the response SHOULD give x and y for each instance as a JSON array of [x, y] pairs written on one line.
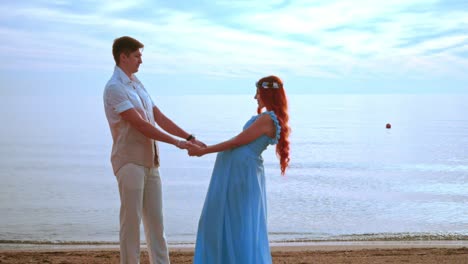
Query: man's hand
[[196, 151], [198, 143], [182, 144]]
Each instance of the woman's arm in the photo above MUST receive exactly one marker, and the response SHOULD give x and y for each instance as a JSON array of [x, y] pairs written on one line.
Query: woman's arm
[[262, 126]]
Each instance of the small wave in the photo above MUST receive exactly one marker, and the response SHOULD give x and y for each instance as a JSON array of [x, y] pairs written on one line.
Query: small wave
[[435, 167], [57, 242], [75, 243], [310, 237], [282, 237]]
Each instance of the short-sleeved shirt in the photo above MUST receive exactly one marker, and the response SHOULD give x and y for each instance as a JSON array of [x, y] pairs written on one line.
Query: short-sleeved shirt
[[129, 145]]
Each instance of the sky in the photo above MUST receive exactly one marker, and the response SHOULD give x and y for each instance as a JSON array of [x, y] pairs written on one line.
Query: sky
[[54, 47]]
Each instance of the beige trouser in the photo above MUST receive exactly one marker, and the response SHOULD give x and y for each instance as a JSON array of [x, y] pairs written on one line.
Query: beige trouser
[[141, 197]]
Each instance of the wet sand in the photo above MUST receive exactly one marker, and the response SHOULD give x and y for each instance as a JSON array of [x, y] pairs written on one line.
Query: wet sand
[[361, 253]]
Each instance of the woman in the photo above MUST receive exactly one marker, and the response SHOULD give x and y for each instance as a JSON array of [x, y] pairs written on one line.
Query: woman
[[233, 224]]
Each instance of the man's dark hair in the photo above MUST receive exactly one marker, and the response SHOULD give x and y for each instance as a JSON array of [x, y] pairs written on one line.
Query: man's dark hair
[[125, 45]]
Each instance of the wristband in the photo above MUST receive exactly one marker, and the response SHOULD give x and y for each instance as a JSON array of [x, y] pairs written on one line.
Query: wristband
[[190, 137]]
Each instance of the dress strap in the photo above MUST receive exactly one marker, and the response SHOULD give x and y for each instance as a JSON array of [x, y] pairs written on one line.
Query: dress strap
[[277, 125]]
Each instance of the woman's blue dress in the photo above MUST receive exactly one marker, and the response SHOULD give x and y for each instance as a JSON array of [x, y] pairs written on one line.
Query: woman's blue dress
[[233, 224]]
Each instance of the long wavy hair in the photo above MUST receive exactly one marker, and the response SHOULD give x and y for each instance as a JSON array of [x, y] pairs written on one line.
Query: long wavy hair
[[271, 91]]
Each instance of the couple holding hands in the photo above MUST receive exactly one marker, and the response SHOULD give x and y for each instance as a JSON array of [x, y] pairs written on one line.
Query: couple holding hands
[[233, 223]]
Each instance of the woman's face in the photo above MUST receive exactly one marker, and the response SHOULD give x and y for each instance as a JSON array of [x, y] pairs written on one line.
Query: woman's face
[[259, 100]]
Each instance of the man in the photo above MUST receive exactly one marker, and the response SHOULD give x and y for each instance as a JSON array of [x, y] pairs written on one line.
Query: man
[[132, 118]]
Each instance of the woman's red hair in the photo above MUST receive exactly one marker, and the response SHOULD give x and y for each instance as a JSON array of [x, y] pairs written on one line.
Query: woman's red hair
[[274, 99]]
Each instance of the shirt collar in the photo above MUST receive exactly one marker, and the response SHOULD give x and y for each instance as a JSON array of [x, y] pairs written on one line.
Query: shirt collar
[[123, 77]]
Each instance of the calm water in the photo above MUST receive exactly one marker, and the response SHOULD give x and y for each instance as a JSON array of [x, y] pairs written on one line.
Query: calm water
[[350, 178]]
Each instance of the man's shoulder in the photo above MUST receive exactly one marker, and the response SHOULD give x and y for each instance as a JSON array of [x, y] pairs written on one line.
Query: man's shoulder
[[114, 88], [114, 83], [115, 80]]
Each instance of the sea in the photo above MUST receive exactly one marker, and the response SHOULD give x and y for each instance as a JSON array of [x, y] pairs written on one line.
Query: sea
[[350, 178]]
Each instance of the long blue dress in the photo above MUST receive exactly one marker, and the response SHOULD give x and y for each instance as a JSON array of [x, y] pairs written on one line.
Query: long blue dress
[[233, 224]]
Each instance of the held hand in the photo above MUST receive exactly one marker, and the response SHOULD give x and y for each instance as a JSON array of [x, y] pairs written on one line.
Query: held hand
[[198, 143], [195, 150], [185, 144]]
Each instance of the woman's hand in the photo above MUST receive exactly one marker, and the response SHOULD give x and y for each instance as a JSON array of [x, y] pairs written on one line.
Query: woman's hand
[[195, 150]]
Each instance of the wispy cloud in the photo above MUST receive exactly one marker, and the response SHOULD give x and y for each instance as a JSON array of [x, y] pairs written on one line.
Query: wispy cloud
[[325, 39]]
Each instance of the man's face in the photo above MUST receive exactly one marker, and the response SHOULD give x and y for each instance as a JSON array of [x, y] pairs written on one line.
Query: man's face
[[132, 61]]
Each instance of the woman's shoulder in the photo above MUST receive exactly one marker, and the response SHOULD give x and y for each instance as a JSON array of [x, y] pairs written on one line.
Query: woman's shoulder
[[271, 116], [267, 116]]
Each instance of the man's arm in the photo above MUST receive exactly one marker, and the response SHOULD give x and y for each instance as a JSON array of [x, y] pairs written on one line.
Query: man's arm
[[148, 130], [169, 126]]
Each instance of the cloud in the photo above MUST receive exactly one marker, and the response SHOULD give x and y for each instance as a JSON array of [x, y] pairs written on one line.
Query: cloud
[[326, 39]]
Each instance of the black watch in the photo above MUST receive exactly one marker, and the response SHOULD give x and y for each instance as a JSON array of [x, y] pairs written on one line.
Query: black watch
[[190, 137]]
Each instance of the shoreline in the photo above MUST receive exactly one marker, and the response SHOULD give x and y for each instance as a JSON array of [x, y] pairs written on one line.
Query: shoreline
[[275, 246]]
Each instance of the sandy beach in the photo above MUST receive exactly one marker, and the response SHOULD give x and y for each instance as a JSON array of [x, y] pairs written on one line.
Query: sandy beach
[[455, 252]]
